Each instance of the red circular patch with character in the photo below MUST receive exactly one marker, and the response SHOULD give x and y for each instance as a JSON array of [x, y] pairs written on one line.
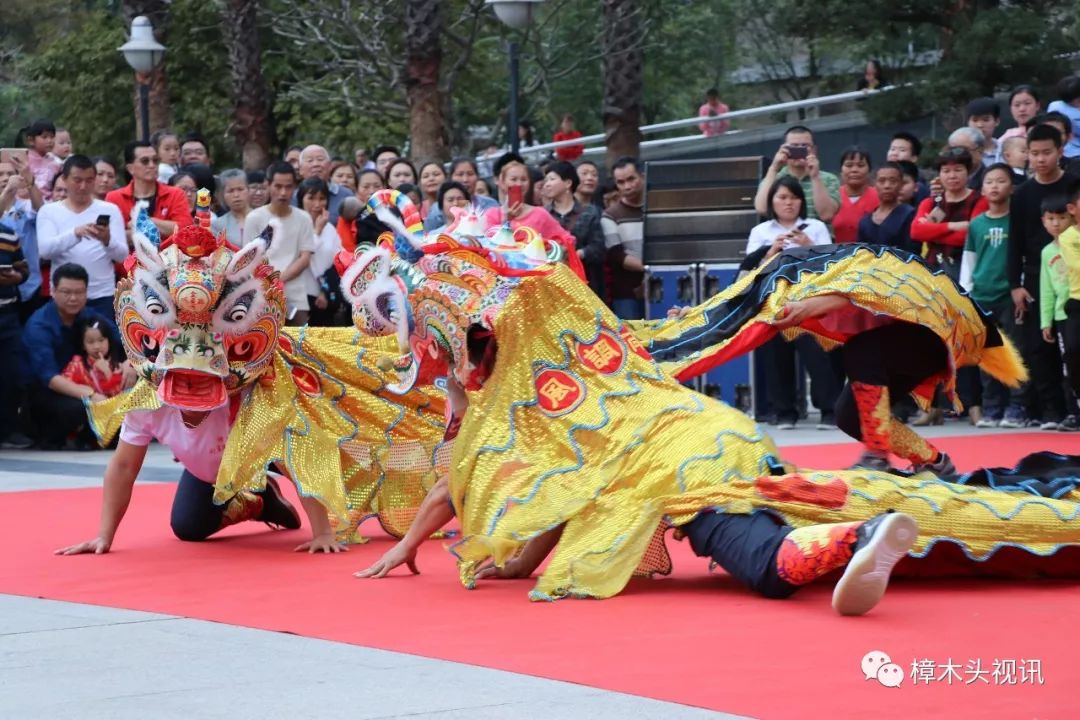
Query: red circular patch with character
[[633, 343], [306, 380], [604, 355], [557, 391]]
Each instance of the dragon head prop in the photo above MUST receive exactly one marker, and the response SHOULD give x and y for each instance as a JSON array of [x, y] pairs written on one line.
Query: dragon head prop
[[199, 319]]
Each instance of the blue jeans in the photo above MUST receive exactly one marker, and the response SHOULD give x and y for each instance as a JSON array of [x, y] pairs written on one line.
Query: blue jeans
[[628, 308]]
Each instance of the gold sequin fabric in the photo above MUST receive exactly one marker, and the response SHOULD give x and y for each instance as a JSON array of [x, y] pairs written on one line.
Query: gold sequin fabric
[[577, 426], [321, 413]]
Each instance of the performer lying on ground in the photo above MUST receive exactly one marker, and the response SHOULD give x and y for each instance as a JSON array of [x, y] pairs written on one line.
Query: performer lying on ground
[[577, 440], [231, 394]]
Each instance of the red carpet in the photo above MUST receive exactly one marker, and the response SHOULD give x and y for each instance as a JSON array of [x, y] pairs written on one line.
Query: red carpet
[[691, 638]]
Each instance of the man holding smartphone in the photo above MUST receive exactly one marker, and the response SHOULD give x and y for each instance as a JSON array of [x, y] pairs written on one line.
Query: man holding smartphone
[[84, 231], [798, 157]]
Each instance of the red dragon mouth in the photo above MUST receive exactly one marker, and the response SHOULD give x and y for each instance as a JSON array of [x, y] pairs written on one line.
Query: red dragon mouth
[[192, 390]]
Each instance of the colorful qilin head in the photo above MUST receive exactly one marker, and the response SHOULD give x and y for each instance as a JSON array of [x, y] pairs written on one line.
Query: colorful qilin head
[[199, 320]]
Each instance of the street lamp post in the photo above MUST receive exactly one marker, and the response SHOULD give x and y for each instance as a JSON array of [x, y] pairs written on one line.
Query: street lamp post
[[143, 53], [516, 14]]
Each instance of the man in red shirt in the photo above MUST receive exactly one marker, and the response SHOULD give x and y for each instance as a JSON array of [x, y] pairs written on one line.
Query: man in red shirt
[[569, 153], [167, 206]]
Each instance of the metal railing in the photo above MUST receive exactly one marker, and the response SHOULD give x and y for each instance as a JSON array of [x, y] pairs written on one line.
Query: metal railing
[[697, 120]]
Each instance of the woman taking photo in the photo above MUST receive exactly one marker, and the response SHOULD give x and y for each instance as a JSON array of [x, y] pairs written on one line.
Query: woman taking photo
[[858, 198], [942, 219], [514, 183], [789, 227]]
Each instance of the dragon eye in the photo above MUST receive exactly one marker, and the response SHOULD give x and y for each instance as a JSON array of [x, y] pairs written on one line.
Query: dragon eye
[[155, 306], [240, 310]]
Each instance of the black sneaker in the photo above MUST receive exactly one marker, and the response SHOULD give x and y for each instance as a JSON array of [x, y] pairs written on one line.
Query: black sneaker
[[17, 441], [871, 460], [277, 511], [880, 543], [1070, 424], [942, 467]]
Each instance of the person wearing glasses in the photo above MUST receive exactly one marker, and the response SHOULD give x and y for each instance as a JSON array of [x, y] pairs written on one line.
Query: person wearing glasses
[[798, 157], [49, 341], [167, 206]]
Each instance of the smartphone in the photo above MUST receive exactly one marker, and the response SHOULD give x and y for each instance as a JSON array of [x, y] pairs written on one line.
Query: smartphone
[[102, 221], [797, 152], [7, 153], [514, 195]]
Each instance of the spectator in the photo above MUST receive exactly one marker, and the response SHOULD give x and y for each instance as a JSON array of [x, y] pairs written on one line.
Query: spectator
[[514, 173], [185, 181], [787, 227], [484, 190], [798, 157], [20, 200], [167, 146], [873, 78], [910, 188], [84, 231], [59, 189], [13, 273], [292, 156], [983, 273], [343, 174], [324, 284], [1061, 122], [624, 236], [400, 171], [195, 151], [567, 131], [40, 138], [293, 242], [104, 176], [98, 364], [984, 115], [1023, 106], [356, 228], [942, 220], [234, 196], [50, 339], [1069, 242], [369, 182], [905, 147], [526, 139], [1054, 282], [462, 170], [588, 179], [1027, 238], [1014, 154], [974, 142], [890, 223], [61, 145], [384, 155], [315, 162], [711, 108], [432, 176], [204, 177], [857, 197], [1068, 104], [166, 206], [361, 161], [258, 189], [451, 195], [581, 221], [411, 191]]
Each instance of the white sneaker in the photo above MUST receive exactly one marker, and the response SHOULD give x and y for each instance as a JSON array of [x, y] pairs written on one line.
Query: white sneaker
[[882, 542], [988, 423], [785, 426], [1049, 425]]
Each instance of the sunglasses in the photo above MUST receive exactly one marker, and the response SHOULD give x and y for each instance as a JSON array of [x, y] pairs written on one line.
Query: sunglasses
[[146, 160]]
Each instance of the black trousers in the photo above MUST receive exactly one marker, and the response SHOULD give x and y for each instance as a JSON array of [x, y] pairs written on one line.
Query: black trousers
[[10, 393], [56, 416], [1071, 341], [899, 356], [783, 380], [745, 546], [194, 514], [1044, 399]]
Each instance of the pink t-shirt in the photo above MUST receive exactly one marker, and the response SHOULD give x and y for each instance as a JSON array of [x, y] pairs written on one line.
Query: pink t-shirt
[[199, 449]]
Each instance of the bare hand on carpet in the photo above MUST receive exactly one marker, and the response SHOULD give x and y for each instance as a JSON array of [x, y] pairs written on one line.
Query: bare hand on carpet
[[326, 543], [400, 554]]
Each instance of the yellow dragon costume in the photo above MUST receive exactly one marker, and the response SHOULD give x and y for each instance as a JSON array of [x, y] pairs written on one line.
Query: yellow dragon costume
[[202, 324], [572, 422]]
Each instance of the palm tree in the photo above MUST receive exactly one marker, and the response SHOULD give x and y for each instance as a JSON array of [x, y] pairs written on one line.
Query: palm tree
[[624, 31], [423, 67], [252, 125]]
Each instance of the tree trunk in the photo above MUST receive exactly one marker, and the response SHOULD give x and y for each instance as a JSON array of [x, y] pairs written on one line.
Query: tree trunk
[[623, 71], [423, 66], [252, 125]]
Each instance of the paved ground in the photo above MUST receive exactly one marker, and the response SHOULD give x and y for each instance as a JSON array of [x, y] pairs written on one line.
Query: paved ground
[[64, 660]]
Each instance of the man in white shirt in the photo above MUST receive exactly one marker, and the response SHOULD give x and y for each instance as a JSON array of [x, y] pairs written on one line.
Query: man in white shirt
[[84, 231], [294, 238]]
